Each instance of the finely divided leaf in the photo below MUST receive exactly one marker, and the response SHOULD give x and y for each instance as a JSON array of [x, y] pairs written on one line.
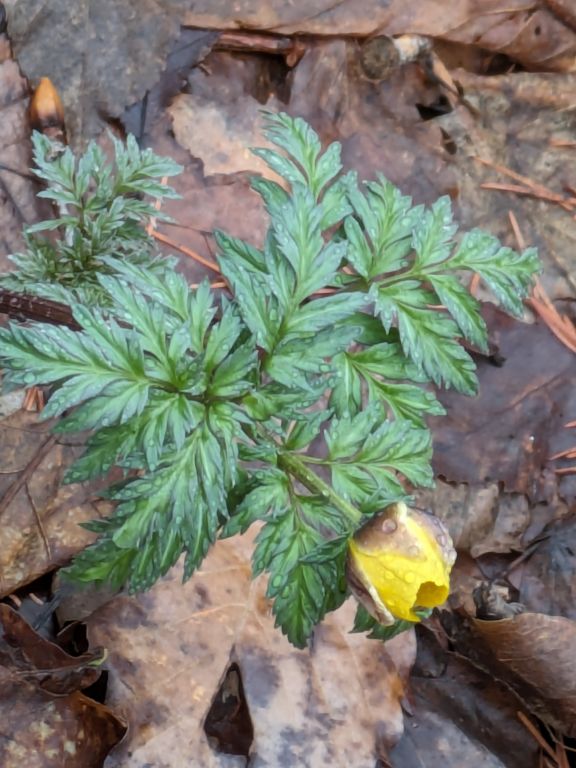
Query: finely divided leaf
[[433, 233], [366, 451], [509, 274], [428, 336], [302, 592]]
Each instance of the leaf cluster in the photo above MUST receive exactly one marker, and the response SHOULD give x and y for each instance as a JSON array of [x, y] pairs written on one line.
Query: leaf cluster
[[102, 212], [299, 401]]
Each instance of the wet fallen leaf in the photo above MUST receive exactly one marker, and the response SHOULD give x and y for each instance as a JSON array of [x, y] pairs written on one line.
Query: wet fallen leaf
[[481, 518], [55, 732], [524, 123], [459, 716], [48, 723], [508, 432], [26, 656], [18, 204], [186, 52], [40, 518], [534, 33], [536, 658], [169, 649], [547, 580], [102, 56]]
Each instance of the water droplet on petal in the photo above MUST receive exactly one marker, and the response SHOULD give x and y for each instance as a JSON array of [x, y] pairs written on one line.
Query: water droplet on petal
[[389, 526]]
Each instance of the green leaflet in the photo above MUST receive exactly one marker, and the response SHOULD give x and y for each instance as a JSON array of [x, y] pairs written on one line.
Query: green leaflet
[[363, 622], [378, 367], [365, 452], [303, 593], [184, 495], [507, 273], [428, 337]]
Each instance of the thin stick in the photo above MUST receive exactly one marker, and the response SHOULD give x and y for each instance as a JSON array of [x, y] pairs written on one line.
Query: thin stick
[[39, 522], [551, 197], [525, 180], [186, 251], [540, 740], [157, 204], [520, 242]]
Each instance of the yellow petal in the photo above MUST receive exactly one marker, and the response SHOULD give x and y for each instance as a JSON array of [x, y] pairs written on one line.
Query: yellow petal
[[402, 559]]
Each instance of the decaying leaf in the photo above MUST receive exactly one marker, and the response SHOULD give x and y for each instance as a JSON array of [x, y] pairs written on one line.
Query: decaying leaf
[[40, 517], [459, 715], [47, 721], [508, 432], [535, 655], [336, 704], [187, 51], [547, 580], [221, 134], [480, 517], [534, 33], [18, 204], [102, 56], [27, 657]]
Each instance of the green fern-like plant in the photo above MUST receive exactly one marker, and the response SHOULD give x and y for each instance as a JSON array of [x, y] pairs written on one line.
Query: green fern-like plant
[[211, 405], [102, 212]]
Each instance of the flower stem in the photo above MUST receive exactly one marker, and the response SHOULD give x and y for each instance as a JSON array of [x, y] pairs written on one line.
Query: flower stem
[[309, 479]]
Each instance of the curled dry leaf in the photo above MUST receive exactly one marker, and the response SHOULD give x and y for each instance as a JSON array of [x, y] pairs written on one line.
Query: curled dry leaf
[[49, 722], [27, 657], [535, 654], [536, 34]]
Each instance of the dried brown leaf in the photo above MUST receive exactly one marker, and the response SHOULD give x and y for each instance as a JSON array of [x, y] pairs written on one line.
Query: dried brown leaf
[[336, 704], [18, 203], [220, 134], [101, 56], [535, 34], [27, 657], [507, 433], [46, 721], [459, 715], [547, 580], [536, 654], [39, 517]]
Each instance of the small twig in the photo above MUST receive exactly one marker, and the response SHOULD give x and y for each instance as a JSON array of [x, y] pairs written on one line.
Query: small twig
[[33, 400], [14, 599], [535, 733], [551, 197], [539, 190], [151, 227], [519, 237], [35, 599], [186, 251], [23, 306], [38, 522], [217, 284]]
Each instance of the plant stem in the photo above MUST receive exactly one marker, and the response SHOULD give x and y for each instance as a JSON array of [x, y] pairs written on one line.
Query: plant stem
[[296, 467]]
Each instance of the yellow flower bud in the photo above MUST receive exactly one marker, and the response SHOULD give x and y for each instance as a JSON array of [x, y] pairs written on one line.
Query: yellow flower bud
[[400, 561]]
